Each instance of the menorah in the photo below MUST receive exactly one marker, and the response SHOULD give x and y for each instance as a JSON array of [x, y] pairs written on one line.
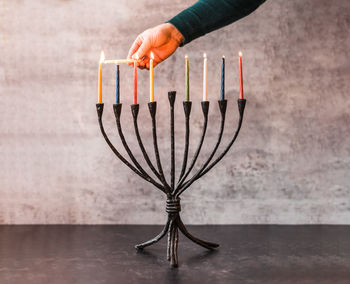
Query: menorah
[[172, 190]]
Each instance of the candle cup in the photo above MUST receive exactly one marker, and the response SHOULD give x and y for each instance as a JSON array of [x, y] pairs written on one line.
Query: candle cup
[[117, 108], [99, 109]]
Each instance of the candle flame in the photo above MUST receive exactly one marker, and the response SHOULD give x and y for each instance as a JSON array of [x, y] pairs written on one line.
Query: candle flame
[[152, 55], [223, 56], [186, 56], [102, 57], [204, 55], [240, 53]]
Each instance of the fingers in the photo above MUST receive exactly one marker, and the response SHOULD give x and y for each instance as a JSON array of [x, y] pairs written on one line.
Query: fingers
[[135, 46], [143, 50], [143, 63]]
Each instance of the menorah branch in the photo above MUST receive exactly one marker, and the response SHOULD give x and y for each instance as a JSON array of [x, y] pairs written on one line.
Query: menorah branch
[[205, 110], [99, 108], [222, 106], [241, 106], [187, 110], [135, 111], [152, 106], [117, 111]]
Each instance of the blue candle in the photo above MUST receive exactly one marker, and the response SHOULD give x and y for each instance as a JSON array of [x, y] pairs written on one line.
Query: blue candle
[[222, 96], [117, 86]]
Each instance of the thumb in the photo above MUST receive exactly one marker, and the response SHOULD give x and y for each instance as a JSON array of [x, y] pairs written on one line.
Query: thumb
[[143, 49]]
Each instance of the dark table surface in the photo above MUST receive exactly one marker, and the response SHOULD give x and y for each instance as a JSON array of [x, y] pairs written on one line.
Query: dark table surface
[[66, 254]]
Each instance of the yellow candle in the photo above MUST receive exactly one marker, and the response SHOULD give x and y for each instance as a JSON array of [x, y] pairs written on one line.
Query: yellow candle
[[187, 79], [151, 79], [205, 62], [102, 58]]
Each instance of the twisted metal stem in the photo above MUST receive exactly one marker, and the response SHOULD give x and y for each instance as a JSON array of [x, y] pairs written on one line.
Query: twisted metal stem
[[171, 97], [172, 227]]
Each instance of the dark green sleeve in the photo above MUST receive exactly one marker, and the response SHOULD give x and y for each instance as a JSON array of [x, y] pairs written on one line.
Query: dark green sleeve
[[208, 15]]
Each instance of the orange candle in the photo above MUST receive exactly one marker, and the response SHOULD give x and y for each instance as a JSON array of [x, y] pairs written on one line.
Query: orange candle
[[240, 76], [135, 83], [102, 58]]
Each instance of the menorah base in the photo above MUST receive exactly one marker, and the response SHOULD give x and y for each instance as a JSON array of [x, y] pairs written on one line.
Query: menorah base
[[172, 227]]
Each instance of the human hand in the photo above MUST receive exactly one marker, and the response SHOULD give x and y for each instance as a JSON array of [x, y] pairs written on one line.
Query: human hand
[[162, 40]]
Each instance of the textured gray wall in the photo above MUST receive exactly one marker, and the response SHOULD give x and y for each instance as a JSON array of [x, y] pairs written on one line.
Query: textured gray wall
[[291, 162]]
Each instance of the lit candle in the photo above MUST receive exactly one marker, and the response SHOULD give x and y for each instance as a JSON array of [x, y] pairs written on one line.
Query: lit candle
[[119, 61], [151, 79], [222, 96], [135, 83], [117, 86], [205, 61], [187, 79], [102, 58], [240, 76]]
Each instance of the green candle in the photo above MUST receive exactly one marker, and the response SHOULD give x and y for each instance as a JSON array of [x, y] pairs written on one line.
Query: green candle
[[187, 79]]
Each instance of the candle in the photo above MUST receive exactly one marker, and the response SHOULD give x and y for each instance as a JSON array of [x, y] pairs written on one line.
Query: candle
[[205, 61], [240, 76], [151, 79], [117, 86], [119, 61], [102, 58], [187, 79], [222, 96], [135, 83]]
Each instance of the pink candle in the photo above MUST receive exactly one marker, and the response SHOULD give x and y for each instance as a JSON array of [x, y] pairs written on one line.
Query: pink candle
[[135, 83], [240, 76]]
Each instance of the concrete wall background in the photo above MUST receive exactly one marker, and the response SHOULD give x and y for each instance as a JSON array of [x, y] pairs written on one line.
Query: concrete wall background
[[290, 164]]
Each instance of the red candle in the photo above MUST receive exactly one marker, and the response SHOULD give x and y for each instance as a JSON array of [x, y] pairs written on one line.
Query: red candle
[[135, 83], [240, 76]]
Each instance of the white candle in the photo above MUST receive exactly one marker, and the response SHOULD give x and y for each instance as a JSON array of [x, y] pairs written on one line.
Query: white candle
[[205, 61], [119, 61]]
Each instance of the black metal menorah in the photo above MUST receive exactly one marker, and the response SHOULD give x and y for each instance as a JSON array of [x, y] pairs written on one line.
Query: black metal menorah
[[174, 190]]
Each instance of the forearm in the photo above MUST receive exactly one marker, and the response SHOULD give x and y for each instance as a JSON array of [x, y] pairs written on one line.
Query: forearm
[[209, 15]]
